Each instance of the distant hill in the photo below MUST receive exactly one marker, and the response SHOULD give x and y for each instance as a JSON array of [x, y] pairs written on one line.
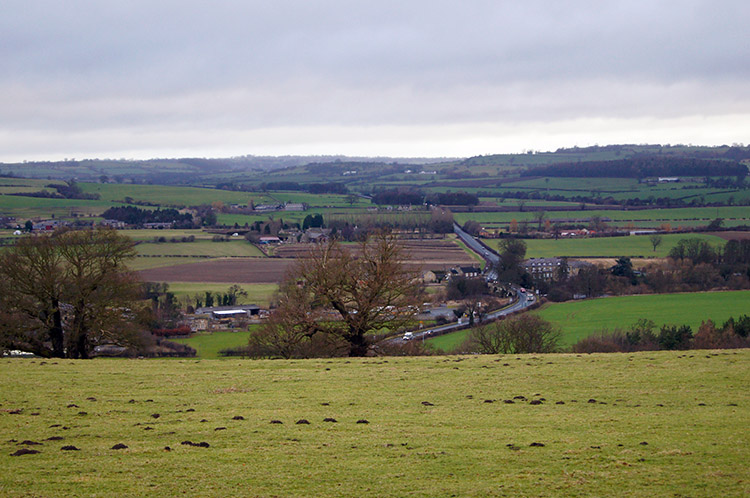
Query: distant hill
[[182, 170]]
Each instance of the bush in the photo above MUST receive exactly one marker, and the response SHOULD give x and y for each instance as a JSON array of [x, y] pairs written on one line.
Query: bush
[[515, 335], [173, 332]]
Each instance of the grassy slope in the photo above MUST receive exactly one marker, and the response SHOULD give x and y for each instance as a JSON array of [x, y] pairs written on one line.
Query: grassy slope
[[457, 446], [579, 319], [631, 246]]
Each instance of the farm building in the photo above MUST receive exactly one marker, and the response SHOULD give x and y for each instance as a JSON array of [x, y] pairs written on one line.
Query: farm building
[[220, 312]]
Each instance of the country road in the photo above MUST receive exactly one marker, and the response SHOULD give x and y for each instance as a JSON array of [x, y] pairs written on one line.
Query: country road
[[518, 302]]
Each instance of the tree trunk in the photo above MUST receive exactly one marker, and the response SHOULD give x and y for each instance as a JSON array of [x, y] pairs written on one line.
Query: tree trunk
[[56, 332], [358, 345]]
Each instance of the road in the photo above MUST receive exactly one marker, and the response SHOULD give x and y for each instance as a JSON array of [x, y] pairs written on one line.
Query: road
[[519, 301]]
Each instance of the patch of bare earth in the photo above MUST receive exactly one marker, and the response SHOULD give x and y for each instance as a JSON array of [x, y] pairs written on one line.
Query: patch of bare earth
[[731, 235], [235, 270]]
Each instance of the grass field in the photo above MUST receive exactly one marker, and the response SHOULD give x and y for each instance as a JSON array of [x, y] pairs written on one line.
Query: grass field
[[204, 248], [676, 217], [579, 319], [641, 425], [166, 195], [260, 294], [631, 246], [208, 345]]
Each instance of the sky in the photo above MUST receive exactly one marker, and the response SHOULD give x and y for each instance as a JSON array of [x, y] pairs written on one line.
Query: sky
[[144, 79]]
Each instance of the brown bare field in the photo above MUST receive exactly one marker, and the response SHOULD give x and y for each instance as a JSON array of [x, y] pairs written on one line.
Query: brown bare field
[[638, 263], [731, 235], [234, 270], [427, 255], [432, 254]]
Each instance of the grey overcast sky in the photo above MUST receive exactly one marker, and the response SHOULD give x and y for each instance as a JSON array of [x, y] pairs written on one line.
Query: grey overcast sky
[[140, 79]]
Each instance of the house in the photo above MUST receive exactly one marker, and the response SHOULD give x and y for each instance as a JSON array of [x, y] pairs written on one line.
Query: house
[[316, 235], [544, 268], [47, 225], [469, 271], [113, 223]]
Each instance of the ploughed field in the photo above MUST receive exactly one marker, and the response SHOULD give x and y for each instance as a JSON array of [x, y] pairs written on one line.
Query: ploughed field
[[645, 424], [426, 254]]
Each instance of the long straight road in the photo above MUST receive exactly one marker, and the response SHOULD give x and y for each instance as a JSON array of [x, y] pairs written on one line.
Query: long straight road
[[519, 301]]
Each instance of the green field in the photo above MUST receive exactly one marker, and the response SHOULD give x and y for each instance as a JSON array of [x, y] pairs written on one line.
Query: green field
[[208, 345], [579, 319], [166, 195], [202, 248], [675, 217], [260, 294], [640, 425], [35, 207], [632, 246], [147, 235], [448, 342]]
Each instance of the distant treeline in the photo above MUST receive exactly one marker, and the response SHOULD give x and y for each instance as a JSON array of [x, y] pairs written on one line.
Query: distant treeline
[[136, 216], [313, 188], [410, 197], [641, 167]]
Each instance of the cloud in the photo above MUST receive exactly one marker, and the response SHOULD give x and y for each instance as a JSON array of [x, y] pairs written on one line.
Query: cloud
[[114, 74]]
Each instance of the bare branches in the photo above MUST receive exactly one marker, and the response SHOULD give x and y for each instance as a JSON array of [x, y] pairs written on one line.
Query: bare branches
[[347, 292]]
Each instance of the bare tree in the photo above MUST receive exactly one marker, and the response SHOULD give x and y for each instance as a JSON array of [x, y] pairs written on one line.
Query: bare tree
[[349, 293], [539, 216], [522, 334], [68, 292], [656, 240]]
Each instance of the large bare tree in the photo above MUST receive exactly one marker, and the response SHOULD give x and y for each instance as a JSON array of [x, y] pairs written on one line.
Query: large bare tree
[[347, 293], [67, 292]]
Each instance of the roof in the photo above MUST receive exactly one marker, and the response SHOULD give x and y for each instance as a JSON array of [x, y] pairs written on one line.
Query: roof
[[243, 308]]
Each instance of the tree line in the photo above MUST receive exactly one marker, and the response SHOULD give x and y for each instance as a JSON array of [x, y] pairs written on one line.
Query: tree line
[[642, 167]]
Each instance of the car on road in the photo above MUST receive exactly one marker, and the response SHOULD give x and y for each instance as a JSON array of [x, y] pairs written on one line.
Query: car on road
[[408, 336]]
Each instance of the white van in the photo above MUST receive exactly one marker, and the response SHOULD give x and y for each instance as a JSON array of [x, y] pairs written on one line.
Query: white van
[[408, 336]]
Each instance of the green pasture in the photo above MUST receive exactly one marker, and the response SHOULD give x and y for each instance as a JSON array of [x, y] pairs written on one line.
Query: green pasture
[[674, 216], [147, 235], [202, 248], [640, 425], [209, 344], [165, 195], [9, 182], [633, 246], [37, 207], [579, 319], [228, 219], [260, 294], [448, 342], [318, 200]]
